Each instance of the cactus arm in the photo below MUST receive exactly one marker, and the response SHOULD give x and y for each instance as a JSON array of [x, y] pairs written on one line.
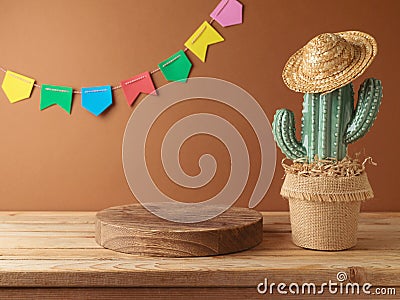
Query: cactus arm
[[299, 150], [369, 100], [284, 132]]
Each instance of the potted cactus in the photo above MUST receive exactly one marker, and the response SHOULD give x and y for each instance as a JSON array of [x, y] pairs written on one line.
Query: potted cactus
[[324, 187]]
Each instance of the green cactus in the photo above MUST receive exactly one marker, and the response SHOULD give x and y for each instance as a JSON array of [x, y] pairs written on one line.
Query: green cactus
[[329, 123]]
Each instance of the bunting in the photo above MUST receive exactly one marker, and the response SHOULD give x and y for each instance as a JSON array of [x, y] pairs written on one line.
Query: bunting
[[98, 99], [228, 13], [177, 67], [17, 87], [204, 36], [54, 94], [141, 83]]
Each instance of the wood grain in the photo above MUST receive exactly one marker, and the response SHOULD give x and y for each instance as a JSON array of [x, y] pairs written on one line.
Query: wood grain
[[219, 293], [133, 229], [54, 256]]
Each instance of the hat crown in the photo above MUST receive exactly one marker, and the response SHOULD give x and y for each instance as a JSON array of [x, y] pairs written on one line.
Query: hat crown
[[329, 61], [326, 52]]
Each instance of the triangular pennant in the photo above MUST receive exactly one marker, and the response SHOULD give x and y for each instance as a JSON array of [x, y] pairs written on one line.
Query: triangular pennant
[[54, 94], [17, 87], [96, 99], [228, 12], [141, 83], [177, 67], [204, 36]]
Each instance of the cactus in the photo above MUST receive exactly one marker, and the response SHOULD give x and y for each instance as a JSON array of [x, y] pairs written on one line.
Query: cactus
[[329, 123]]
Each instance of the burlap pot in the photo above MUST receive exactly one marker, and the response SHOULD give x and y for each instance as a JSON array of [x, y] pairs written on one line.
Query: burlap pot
[[324, 210]]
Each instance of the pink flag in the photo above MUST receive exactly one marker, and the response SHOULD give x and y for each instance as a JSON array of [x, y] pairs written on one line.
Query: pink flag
[[141, 83], [228, 12]]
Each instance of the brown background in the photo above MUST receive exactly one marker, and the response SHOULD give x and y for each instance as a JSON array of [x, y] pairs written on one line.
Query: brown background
[[52, 161]]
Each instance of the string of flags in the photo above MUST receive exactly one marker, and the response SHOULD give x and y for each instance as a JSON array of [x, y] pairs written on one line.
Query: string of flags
[[97, 99]]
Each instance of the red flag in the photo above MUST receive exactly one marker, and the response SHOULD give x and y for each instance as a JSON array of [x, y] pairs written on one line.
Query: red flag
[[141, 83]]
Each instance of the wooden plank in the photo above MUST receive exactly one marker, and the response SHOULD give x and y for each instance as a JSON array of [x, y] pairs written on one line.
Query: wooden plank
[[209, 271], [19, 242], [271, 241], [212, 264], [46, 227], [57, 234], [39, 217], [271, 220], [162, 293], [78, 227], [221, 278], [89, 217], [105, 254]]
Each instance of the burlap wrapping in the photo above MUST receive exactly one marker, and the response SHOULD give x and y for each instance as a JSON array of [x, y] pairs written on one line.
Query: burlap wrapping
[[324, 210], [325, 188]]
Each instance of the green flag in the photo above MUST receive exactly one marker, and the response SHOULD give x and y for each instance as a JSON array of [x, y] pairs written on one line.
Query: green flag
[[53, 94], [176, 67]]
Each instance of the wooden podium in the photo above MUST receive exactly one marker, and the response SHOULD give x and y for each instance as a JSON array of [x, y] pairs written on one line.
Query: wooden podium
[[133, 229]]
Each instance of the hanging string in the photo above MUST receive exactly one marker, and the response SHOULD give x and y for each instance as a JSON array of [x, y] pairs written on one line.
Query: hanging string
[[117, 87]]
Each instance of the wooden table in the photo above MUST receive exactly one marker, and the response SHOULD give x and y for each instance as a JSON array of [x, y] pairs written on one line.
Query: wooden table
[[53, 255]]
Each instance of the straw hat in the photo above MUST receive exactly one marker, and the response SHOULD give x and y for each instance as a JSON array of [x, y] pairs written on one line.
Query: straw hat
[[329, 61]]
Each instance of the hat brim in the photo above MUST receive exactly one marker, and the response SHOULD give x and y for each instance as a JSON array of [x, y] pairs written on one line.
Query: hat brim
[[365, 49]]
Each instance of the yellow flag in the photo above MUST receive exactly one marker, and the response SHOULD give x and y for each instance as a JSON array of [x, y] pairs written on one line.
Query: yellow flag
[[17, 87], [204, 36]]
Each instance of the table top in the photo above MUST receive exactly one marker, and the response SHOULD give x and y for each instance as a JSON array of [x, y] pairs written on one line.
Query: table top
[[57, 249]]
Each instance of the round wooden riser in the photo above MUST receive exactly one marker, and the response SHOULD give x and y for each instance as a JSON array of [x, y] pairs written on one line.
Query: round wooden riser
[[132, 229]]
